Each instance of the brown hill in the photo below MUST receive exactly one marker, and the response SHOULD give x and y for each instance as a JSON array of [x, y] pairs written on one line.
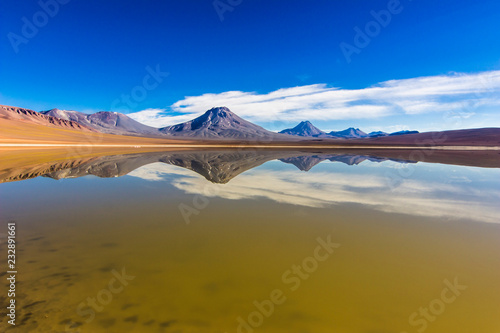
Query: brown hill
[[32, 117]]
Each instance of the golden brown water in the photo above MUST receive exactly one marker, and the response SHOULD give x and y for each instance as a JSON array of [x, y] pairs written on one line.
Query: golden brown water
[[396, 249]]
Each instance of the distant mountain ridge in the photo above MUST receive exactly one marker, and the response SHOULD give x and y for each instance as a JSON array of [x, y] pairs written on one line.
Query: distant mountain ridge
[[349, 133], [306, 129], [377, 134], [404, 133]]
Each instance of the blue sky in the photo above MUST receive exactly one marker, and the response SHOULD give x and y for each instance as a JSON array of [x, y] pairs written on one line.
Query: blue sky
[[273, 62]]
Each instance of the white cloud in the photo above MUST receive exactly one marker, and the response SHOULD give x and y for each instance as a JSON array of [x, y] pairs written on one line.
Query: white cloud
[[443, 93], [158, 117]]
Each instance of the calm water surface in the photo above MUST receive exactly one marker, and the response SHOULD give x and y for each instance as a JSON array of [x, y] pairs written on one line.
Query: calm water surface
[[374, 247]]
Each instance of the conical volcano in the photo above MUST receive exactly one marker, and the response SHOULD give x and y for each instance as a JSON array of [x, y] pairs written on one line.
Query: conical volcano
[[220, 123]]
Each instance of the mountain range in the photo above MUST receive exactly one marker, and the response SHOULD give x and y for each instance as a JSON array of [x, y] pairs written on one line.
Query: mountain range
[[306, 129], [216, 126], [216, 123], [220, 166]]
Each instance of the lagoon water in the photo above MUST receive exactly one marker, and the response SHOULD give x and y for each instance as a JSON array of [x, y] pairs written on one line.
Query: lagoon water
[[204, 243]]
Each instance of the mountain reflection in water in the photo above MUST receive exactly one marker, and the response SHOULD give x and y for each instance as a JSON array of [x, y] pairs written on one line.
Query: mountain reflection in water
[[406, 229], [216, 166], [222, 166]]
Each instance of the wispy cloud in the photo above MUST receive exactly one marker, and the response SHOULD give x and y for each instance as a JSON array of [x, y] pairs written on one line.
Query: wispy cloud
[[158, 117], [434, 94]]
